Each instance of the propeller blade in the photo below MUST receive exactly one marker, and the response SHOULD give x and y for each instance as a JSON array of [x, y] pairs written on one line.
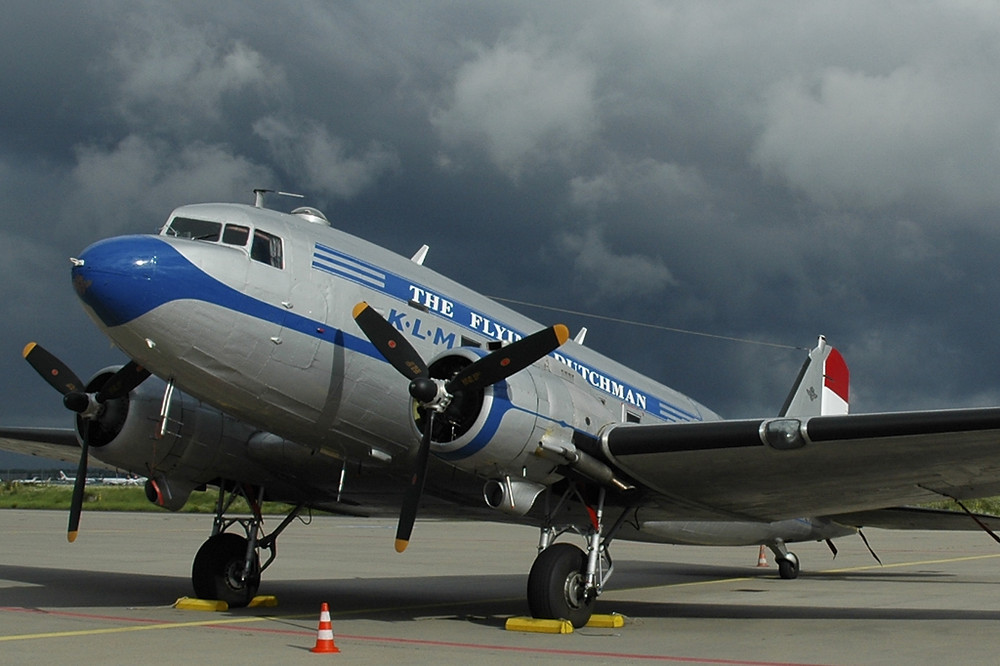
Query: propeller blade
[[490, 369], [55, 372], [411, 498], [61, 378], [389, 342], [508, 360], [64, 380], [76, 504], [404, 358], [119, 384]]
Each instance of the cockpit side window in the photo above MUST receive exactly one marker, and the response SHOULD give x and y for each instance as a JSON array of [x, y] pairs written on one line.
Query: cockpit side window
[[188, 227], [236, 234], [266, 248]]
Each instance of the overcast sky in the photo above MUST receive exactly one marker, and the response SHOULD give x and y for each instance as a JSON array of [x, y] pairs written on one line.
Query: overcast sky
[[769, 171]]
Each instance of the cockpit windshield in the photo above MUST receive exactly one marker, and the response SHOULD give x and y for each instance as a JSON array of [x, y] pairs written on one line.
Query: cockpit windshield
[[265, 248], [188, 227]]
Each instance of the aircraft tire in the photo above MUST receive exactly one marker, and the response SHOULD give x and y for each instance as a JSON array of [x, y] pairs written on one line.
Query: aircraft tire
[[216, 571], [788, 567], [555, 585]]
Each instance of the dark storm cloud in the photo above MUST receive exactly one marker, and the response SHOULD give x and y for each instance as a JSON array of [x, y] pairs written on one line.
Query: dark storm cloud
[[769, 171]]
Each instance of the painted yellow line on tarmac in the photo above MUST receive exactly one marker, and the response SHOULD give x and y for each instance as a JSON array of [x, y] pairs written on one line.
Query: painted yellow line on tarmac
[[240, 620], [899, 565], [119, 630], [713, 581]]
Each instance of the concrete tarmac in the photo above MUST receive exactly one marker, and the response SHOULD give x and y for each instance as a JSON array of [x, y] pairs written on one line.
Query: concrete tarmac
[[108, 598]]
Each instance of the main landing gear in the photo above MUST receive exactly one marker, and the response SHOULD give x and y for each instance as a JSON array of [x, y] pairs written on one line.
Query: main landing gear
[[227, 566], [564, 580]]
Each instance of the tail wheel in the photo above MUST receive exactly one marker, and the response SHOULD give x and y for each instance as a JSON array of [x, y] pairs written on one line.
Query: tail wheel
[[217, 572], [556, 585], [788, 567]]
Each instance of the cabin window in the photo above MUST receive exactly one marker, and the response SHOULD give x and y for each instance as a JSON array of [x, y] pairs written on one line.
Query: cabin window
[[189, 227], [266, 248], [235, 234]]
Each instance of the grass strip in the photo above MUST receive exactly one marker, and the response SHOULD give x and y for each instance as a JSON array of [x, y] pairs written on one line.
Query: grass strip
[[15, 495]]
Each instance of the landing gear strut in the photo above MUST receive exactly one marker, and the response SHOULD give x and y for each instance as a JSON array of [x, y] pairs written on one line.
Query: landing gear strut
[[564, 580], [227, 566]]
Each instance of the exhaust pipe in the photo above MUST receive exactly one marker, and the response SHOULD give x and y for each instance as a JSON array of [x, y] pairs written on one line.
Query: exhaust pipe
[[513, 496]]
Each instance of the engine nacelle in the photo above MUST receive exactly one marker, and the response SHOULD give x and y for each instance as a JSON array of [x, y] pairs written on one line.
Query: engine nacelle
[[196, 439], [496, 432], [198, 445]]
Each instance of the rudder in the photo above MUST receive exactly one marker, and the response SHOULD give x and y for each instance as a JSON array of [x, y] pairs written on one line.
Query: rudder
[[822, 387]]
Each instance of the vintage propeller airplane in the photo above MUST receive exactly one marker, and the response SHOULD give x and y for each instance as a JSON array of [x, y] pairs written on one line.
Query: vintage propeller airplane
[[277, 358]]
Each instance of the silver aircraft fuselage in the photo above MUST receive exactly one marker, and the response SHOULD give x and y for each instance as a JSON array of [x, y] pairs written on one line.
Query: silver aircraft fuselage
[[267, 336]]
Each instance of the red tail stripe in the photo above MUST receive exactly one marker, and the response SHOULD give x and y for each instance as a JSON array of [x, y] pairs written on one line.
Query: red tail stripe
[[837, 377]]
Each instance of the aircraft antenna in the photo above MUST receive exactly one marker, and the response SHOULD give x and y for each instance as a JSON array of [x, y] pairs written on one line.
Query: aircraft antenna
[[259, 192], [658, 327]]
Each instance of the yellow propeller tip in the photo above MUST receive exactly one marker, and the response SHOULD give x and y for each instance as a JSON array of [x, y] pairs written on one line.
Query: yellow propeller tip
[[27, 349], [359, 308], [71, 536], [562, 333], [401, 545]]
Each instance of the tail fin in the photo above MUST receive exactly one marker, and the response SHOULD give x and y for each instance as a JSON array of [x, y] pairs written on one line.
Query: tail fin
[[822, 388]]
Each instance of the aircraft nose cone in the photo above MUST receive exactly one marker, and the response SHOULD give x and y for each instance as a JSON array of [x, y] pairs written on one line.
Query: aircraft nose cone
[[114, 277]]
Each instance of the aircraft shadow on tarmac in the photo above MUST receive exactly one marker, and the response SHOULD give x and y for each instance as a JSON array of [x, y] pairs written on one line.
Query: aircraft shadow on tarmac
[[39, 587], [377, 598], [632, 574], [485, 599], [656, 574], [61, 587]]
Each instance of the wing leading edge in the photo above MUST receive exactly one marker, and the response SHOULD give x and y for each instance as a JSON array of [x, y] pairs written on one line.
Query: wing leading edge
[[772, 469], [53, 443]]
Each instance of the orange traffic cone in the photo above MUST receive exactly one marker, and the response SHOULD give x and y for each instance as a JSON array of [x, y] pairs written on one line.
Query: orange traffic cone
[[762, 558], [324, 634]]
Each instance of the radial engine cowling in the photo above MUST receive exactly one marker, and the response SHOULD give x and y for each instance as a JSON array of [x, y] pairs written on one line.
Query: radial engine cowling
[[497, 430]]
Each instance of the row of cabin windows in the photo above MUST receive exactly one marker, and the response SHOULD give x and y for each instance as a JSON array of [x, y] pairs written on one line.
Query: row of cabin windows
[[264, 247]]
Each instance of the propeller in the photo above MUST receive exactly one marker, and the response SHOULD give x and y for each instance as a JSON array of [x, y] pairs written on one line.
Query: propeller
[[434, 395], [87, 406]]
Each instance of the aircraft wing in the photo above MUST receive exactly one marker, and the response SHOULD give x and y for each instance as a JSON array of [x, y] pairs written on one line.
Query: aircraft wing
[[52, 443], [772, 469], [917, 518]]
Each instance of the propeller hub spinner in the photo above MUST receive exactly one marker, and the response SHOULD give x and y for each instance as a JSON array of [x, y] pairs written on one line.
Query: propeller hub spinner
[[84, 404], [429, 393], [76, 401], [423, 389]]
